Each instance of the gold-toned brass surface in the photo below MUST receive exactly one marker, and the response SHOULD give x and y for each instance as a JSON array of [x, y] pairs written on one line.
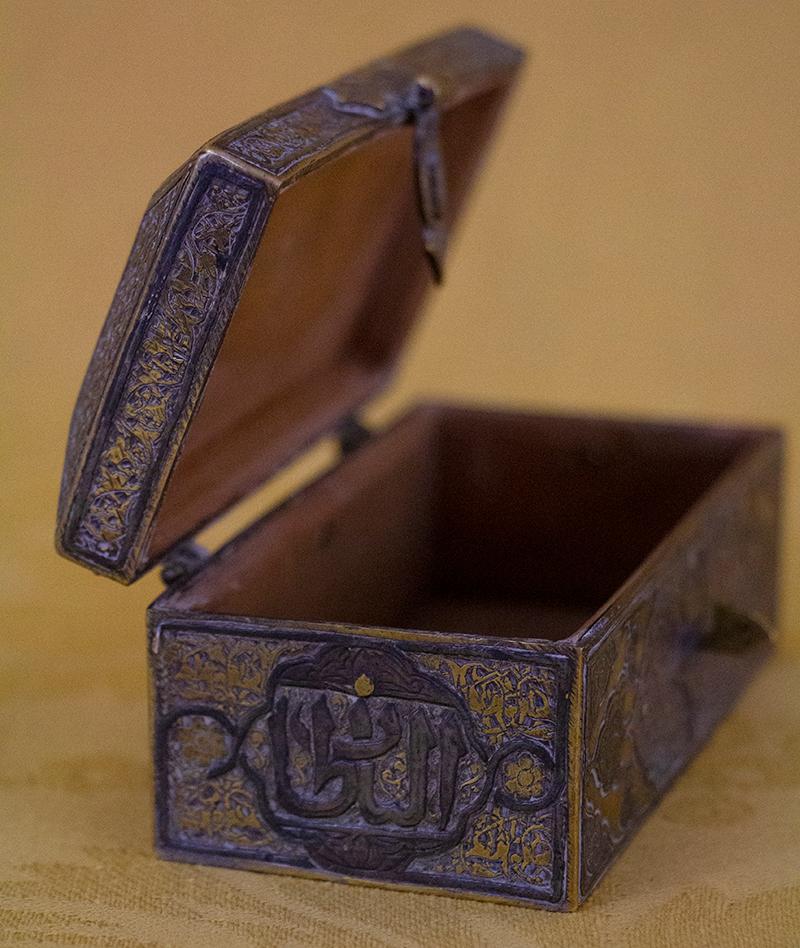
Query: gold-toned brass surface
[[475, 654]]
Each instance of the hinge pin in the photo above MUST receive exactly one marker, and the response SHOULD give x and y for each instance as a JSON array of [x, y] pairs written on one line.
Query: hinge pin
[[183, 562], [352, 434]]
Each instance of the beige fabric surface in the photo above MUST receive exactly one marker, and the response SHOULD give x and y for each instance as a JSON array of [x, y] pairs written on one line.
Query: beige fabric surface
[[632, 248]]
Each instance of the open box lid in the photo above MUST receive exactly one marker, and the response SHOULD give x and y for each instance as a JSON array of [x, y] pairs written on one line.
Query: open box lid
[[271, 285]]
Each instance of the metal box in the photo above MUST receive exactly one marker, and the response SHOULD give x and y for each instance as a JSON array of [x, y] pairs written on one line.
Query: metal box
[[473, 655]]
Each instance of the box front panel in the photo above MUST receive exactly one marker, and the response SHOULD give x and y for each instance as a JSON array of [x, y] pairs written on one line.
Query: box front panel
[[669, 660], [333, 754]]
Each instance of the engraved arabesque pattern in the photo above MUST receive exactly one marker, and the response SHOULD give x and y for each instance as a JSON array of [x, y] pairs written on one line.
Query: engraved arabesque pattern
[[280, 142], [148, 239], [152, 394], [672, 663], [509, 699], [220, 698], [503, 845]]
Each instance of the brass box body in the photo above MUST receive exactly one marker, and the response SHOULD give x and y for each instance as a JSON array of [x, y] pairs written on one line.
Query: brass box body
[[497, 763], [475, 654]]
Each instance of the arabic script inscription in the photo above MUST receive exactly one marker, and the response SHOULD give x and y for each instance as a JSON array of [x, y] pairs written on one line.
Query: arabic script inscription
[[362, 760]]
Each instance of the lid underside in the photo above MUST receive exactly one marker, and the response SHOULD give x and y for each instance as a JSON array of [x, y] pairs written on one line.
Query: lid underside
[[270, 288]]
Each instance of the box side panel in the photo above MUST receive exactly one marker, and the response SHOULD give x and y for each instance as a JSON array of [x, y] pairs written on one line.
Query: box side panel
[[400, 762], [677, 649]]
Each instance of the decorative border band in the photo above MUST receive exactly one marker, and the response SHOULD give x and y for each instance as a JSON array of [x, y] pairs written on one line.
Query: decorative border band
[[189, 302]]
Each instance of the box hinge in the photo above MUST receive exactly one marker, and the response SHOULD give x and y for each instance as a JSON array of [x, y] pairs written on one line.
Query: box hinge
[[182, 562], [430, 174], [419, 105], [352, 434]]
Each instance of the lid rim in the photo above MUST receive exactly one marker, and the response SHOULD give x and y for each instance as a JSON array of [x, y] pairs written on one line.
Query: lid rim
[[188, 266], [191, 291]]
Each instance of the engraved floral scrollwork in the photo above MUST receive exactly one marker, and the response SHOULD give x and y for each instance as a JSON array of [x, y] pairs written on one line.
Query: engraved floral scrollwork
[[504, 845], [153, 391], [616, 785], [277, 143], [508, 698], [666, 671], [363, 757]]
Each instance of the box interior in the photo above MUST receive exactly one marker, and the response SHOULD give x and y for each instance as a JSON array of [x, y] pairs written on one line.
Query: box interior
[[473, 521], [337, 280]]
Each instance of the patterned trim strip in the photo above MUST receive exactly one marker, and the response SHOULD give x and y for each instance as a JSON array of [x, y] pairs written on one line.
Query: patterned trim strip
[[112, 337], [154, 390], [280, 142], [283, 140]]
